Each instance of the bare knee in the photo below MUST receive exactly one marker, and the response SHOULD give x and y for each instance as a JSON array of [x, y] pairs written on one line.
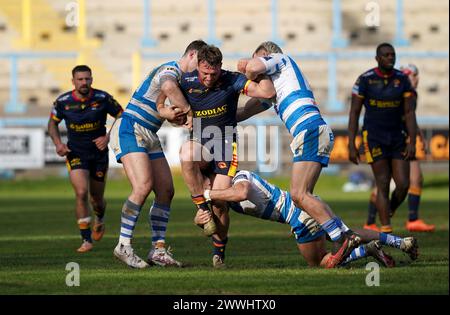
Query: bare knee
[[142, 191], [97, 201], [402, 187], [299, 198], [81, 194], [165, 194], [416, 181]]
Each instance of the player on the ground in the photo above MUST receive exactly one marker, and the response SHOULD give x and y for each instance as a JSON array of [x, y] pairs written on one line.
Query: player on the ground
[[252, 195], [313, 138], [387, 96], [414, 224], [84, 111], [137, 147], [213, 96]]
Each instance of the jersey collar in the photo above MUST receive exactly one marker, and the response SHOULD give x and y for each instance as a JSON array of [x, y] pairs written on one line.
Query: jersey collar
[[381, 74], [84, 99]]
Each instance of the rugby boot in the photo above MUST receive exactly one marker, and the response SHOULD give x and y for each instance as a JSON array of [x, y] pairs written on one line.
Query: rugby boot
[[349, 241], [372, 227], [419, 226], [410, 246], [85, 247], [218, 262], [374, 249], [98, 230], [163, 257], [126, 254]]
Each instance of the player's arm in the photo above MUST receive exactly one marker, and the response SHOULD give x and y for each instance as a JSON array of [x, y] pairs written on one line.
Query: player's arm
[[411, 123], [353, 125], [358, 92], [237, 192], [262, 88], [170, 88], [252, 107], [53, 131], [254, 68]]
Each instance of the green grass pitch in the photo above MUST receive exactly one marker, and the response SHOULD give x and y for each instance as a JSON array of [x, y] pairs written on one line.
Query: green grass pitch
[[39, 236]]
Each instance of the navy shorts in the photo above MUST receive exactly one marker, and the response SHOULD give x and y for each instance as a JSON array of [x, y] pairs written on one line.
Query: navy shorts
[[379, 145], [222, 155], [97, 164]]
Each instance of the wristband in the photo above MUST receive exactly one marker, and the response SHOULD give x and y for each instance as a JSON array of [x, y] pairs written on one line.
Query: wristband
[[206, 194]]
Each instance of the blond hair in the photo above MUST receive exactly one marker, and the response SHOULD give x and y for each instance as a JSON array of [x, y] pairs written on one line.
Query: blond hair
[[270, 47]]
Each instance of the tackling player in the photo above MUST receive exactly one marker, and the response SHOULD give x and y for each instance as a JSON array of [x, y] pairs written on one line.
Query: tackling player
[[213, 96], [84, 111], [387, 96], [252, 195], [137, 147], [312, 138]]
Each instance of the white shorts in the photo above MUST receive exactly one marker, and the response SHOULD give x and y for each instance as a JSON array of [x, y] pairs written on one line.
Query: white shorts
[[128, 136]]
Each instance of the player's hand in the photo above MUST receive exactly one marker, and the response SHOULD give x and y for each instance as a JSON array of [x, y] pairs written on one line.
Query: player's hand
[[101, 142], [242, 65], [62, 149], [410, 151], [171, 113], [353, 154], [189, 122], [202, 217]]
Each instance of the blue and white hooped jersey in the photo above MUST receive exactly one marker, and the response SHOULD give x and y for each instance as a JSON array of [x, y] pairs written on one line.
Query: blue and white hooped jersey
[[264, 199], [268, 202], [295, 103], [142, 106]]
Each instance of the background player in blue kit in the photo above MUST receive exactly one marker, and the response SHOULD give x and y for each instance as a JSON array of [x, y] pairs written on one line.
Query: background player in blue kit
[[252, 195], [213, 95], [84, 111], [387, 96]]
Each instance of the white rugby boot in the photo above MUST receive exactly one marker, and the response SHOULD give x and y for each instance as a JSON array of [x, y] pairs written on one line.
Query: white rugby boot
[[126, 254]]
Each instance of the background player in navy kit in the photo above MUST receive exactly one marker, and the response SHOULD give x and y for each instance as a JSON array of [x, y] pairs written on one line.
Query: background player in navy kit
[[387, 97], [414, 224], [213, 94], [85, 110]]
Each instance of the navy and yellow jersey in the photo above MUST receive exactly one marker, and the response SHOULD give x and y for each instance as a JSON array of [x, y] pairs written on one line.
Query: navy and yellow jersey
[[85, 118], [215, 106], [383, 97]]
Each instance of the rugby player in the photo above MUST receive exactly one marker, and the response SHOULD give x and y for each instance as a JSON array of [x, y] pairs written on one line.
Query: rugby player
[[213, 96], [252, 195], [413, 224], [84, 111], [312, 138], [387, 96], [137, 146]]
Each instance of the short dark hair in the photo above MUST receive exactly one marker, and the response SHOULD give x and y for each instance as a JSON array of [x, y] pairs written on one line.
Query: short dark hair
[[81, 68], [195, 45], [211, 54], [383, 45]]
